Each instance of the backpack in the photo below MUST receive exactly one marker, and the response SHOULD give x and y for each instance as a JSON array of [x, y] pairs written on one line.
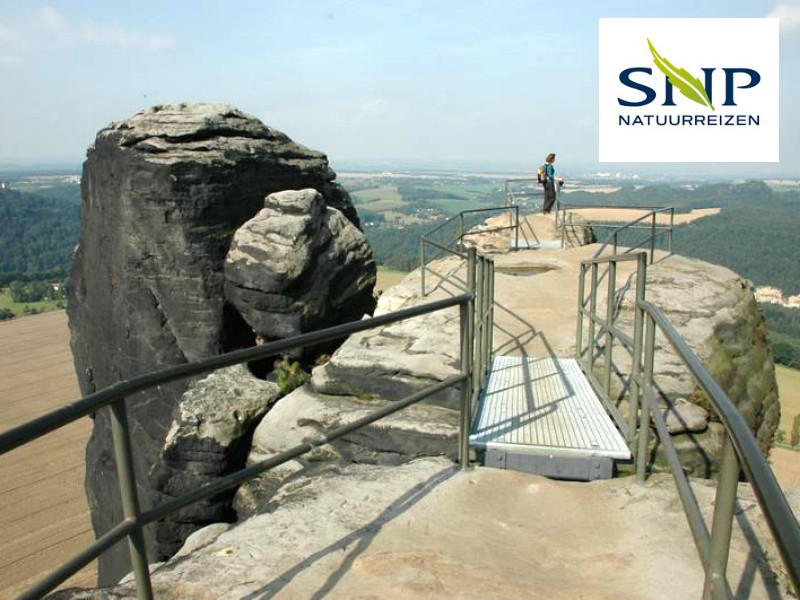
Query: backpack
[[541, 174]]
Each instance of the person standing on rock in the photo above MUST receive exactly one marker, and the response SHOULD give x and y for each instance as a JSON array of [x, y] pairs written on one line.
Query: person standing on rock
[[550, 183]]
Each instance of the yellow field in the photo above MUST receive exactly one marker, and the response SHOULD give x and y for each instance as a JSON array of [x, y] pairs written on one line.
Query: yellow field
[[625, 215], [789, 390], [45, 518], [387, 278]]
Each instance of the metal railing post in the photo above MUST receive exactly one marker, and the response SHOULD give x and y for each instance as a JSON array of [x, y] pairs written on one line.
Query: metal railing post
[[460, 229], [612, 288], [579, 326], [516, 229], [647, 400], [487, 276], [477, 372], [472, 256], [724, 506], [592, 315], [466, 391], [130, 501], [671, 226], [653, 238], [422, 263], [490, 345], [638, 326]]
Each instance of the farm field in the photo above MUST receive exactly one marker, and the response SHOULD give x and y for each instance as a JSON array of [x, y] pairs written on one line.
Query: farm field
[[387, 278], [623, 215], [45, 517], [789, 391]]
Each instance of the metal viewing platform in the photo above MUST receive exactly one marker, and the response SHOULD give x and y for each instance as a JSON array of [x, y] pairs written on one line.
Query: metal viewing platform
[[540, 415]]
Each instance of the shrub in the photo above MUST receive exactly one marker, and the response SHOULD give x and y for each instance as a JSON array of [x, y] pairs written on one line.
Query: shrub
[[289, 375]]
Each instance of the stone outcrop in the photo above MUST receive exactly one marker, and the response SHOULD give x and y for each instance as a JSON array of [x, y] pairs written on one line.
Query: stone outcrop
[[163, 194], [210, 436], [394, 361], [420, 430], [273, 273], [716, 313]]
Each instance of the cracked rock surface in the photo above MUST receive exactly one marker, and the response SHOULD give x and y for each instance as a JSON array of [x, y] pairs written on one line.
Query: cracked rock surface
[[162, 194]]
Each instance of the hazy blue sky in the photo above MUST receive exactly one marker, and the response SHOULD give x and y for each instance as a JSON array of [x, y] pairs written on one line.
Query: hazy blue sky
[[489, 82]]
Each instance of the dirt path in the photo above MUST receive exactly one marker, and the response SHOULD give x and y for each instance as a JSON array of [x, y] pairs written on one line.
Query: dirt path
[[45, 517]]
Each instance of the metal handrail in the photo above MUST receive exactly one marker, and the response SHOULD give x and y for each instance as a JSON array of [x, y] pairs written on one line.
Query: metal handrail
[[740, 449], [476, 326], [777, 511], [651, 215], [510, 197], [455, 246]]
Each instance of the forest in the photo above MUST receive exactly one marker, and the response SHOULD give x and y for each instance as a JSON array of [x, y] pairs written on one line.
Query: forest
[[38, 232]]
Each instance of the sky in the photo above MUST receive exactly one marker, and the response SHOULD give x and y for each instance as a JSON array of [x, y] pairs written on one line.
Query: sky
[[490, 84]]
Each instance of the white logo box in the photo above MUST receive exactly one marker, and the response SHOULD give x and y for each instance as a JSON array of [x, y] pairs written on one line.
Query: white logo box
[[747, 132]]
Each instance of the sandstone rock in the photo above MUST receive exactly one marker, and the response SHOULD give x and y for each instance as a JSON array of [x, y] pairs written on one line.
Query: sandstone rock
[[715, 312], [303, 415], [700, 454], [298, 266], [210, 437], [682, 416], [163, 193], [394, 361]]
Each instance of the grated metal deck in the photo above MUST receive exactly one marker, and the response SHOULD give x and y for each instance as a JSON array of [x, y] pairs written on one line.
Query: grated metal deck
[[524, 244], [540, 415]]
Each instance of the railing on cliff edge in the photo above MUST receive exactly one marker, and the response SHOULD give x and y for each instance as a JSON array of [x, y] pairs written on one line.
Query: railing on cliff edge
[[740, 448], [518, 193], [448, 237], [475, 315]]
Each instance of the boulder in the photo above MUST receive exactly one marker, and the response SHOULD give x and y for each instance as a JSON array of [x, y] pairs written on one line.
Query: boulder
[[210, 437], [304, 415], [716, 313], [162, 195], [298, 266], [396, 360], [682, 416]]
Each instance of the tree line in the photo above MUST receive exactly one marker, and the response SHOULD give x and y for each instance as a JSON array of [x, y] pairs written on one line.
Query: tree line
[[37, 233]]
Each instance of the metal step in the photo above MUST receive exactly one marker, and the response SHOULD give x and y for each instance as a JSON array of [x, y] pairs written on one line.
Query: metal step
[[533, 244], [540, 415]]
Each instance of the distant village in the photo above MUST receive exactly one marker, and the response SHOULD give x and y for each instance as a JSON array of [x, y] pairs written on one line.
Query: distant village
[[772, 295]]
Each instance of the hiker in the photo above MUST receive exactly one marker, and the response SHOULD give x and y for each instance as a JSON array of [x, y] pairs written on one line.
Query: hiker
[[549, 182]]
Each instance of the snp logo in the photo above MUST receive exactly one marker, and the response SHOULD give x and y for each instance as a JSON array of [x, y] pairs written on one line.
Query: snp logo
[[713, 99]]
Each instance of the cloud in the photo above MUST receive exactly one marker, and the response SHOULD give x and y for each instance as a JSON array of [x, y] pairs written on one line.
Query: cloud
[[8, 35], [50, 18], [10, 61], [46, 26], [116, 35], [789, 15]]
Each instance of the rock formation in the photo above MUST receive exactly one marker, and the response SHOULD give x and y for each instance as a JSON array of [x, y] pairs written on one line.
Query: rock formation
[[715, 311], [163, 195], [273, 275]]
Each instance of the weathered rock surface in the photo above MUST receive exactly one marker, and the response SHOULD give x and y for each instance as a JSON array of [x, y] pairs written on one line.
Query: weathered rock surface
[[394, 361], [423, 530], [715, 311], [210, 436], [417, 431], [163, 193], [681, 416], [298, 266]]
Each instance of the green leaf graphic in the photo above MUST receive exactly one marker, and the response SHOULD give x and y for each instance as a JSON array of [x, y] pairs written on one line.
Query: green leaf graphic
[[680, 78]]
